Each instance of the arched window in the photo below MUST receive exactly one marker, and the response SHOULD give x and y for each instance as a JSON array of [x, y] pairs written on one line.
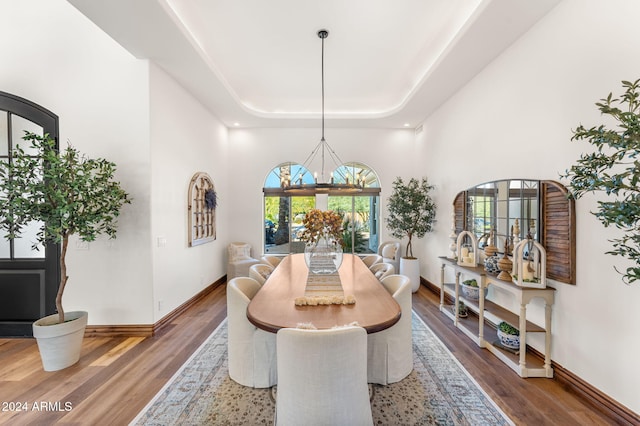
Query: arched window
[[284, 212]]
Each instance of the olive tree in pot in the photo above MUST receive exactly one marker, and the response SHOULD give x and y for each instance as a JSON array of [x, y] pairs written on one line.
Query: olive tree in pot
[[68, 194], [412, 214]]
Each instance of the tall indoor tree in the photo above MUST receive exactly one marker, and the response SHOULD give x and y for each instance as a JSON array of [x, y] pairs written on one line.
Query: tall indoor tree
[[412, 212], [614, 169], [66, 192]]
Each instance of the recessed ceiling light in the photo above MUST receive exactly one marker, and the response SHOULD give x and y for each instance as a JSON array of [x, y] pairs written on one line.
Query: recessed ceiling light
[[407, 124], [236, 124]]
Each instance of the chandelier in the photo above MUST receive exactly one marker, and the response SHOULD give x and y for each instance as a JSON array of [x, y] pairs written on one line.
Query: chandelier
[[339, 181]]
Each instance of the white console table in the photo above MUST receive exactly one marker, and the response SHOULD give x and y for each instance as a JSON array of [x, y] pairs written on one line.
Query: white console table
[[482, 329]]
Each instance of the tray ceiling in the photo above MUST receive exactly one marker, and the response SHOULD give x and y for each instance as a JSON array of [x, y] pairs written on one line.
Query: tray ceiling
[[257, 63]]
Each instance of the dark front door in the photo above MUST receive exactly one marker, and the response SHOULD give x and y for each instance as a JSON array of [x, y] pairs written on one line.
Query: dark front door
[[28, 277]]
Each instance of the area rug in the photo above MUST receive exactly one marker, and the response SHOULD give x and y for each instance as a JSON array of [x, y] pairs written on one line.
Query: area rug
[[439, 391]]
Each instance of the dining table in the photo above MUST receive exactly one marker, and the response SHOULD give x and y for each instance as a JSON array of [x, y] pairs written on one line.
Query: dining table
[[275, 306]]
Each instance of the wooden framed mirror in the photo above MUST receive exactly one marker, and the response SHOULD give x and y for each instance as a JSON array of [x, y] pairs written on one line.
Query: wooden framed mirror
[[512, 208]]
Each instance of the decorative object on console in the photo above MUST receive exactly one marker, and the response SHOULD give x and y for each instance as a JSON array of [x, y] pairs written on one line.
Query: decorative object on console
[[509, 336], [462, 310], [613, 170], [467, 249], [412, 213], [505, 264], [529, 264], [515, 231], [491, 265], [453, 247], [471, 290]]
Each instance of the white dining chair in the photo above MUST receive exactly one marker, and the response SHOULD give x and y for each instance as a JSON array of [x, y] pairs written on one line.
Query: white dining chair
[[390, 252], [322, 377], [239, 260], [390, 352], [260, 272], [251, 351], [271, 260], [382, 270], [372, 259]]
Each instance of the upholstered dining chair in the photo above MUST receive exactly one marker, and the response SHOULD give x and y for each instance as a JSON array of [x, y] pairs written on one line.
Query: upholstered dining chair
[[271, 260], [390, 352], [391, 253], [239, 260], [322, 377], [251, 351], [371, 259], [381, 270], [260, 272]]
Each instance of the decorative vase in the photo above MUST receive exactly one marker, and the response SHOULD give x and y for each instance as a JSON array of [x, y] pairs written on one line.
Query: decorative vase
[[509, 340], [491, 265], [324, 256]]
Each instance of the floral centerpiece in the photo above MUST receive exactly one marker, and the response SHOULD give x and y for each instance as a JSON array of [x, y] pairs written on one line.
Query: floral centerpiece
[[323, 235], [320, 224]]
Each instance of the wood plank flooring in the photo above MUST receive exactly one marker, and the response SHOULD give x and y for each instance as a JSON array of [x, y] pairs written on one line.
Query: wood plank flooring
[[116, 377]]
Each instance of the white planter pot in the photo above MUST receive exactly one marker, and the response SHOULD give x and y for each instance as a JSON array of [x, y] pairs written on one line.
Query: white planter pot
[[60, 344], [411, 268]]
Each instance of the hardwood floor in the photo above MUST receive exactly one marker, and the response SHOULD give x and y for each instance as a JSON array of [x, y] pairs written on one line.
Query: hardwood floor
[[116, 377]]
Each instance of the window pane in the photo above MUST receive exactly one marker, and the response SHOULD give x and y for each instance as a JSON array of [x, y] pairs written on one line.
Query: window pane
[[4, 134], [360, 224], [283, 223], [5, 252], [22, 245], [18, 126], [300, 206]]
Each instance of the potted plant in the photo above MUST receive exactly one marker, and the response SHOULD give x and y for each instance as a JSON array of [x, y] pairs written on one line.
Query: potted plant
[[509, 335], [471, 289], [613, 169], [412, 213], [69, 194], [462, 310]]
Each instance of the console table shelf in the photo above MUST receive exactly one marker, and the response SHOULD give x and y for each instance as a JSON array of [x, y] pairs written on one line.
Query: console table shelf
[[481, 327]]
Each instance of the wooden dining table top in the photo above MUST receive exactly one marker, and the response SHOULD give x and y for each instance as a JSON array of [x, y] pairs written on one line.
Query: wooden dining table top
[[273, 307]]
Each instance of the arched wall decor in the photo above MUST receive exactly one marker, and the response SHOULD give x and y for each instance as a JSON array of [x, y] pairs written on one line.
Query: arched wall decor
[[202, 209]]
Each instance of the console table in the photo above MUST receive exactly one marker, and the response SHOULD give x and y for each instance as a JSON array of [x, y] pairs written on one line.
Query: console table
[[482, 329]]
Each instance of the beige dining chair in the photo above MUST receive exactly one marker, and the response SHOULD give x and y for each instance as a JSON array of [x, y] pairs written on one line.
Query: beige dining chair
[[271, 260], [322, 377], [260, 272], [382, 270], [390, 352], [251, 351], [371, 259], [390, 252]]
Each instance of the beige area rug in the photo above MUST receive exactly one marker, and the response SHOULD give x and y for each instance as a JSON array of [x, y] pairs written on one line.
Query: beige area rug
[[439, 391]]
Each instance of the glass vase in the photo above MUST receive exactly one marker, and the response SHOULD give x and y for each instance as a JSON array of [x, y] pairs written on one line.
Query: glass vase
[[324, 256]]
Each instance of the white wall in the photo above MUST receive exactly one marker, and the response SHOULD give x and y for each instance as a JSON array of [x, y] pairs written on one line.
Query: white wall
[[514, 120], [53, 56], [185, 139], [254, 152], [115, 106]]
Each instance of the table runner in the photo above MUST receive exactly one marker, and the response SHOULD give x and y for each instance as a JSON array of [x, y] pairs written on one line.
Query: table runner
[[324, 289]]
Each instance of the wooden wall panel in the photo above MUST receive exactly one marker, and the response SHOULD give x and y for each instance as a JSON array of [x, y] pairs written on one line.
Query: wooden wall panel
[[559, 231]]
